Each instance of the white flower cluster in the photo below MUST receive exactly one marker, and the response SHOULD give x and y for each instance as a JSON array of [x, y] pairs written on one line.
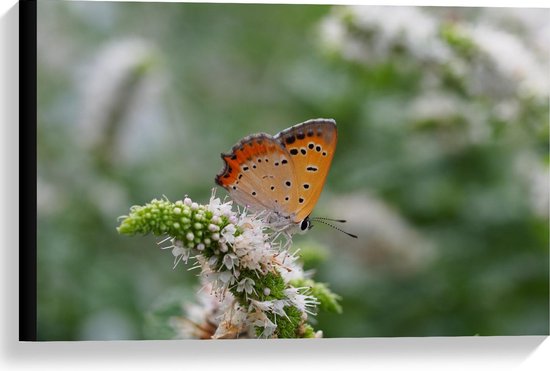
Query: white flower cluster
[[243, 244], [226, 319], [242, 321]]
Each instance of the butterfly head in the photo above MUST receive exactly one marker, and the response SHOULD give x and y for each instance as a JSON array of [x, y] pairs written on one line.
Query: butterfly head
[[305, 225]]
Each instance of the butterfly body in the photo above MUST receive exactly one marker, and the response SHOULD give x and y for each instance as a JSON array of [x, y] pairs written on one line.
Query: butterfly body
[[283, 174]]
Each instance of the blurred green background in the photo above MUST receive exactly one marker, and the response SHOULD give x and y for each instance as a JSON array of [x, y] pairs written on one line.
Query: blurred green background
[[441, 168]]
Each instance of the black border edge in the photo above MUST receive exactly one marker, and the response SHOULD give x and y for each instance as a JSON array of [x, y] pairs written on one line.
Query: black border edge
[[27, 169]]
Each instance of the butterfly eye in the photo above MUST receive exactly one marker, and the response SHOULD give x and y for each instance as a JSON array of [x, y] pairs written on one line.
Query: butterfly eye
[[305, 225]]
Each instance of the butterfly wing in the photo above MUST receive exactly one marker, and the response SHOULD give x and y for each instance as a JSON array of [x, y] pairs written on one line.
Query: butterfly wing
[[258, 174], [285, 173], [311, 147]]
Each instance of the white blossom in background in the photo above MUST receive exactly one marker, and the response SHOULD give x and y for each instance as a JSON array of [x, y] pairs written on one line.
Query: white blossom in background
[[104, 80], [537, 181], [122, 90], [201, 316], [385, 28], [113, 100], [432, 105], [372, 34], [388, 241], [512, 60], [499, 58]]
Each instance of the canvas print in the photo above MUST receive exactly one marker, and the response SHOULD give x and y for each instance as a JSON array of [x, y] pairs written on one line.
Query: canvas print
[[383, 171]]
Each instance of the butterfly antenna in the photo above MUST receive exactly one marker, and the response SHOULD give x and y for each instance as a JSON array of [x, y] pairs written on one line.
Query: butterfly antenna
[[329, 219], [323, 220]]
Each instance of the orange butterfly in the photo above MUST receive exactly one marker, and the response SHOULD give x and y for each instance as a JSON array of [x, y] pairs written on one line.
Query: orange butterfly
[[284, 173]]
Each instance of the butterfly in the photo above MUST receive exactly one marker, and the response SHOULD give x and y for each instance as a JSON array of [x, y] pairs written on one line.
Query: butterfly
[[283, 174]]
